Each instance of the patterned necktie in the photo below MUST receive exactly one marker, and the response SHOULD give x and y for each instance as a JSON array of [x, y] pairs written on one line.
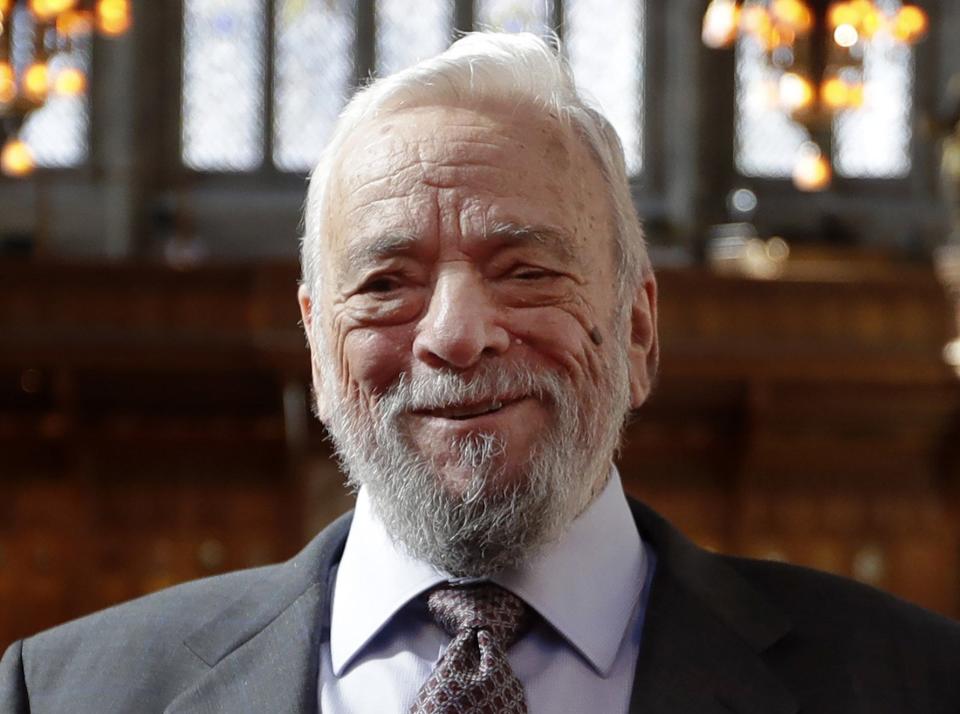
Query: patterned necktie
[[473, 675]]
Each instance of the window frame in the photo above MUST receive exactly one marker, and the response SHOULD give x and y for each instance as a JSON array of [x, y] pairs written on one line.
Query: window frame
[[921, 176], [87, 169], [364, 66]]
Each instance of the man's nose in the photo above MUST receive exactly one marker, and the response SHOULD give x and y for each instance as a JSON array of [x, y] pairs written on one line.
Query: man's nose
[[462, 324]]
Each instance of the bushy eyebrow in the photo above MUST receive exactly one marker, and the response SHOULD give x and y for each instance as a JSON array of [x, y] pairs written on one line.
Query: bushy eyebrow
[[555, 240], [370, 252]]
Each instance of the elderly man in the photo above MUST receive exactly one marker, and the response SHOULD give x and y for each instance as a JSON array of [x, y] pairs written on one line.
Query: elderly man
[[481, 318]]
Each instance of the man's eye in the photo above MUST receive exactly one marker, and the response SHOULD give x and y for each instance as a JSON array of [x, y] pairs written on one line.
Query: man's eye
[[530, 274], [382, 284]]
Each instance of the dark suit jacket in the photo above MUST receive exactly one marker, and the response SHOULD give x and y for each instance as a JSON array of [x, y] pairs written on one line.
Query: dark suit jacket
[[721, 635]]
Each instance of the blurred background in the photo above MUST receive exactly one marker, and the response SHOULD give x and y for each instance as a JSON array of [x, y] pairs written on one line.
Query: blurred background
[[797, 165]]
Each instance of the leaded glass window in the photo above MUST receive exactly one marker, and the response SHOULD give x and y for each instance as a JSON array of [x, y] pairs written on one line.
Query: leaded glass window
[[410, 30], [226, 67], [534, 16], [767, 140], [223, 70], [872, 141], [57, 132], [604, 42], [313, 67]]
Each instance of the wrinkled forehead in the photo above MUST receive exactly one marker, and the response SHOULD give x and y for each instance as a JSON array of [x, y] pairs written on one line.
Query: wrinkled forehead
[[445, 136], [496, 149], [502, 118]]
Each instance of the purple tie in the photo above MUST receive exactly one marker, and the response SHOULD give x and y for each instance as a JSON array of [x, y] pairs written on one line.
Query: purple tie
[[473, 675]]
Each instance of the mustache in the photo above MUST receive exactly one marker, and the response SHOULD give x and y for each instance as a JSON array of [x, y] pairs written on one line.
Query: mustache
[[447, 388]]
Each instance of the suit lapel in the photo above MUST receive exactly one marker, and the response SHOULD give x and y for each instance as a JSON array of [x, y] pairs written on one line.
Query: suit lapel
[[276, 671], [263, 649], [705, 631]]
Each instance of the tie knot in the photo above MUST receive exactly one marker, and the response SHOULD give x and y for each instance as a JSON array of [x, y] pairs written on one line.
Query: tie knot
[[484, 607]]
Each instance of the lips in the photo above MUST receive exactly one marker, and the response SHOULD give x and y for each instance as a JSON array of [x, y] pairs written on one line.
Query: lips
[[468, 411]]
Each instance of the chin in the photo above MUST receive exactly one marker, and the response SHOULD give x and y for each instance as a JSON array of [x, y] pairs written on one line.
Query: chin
[[462, 486], [476, 493]]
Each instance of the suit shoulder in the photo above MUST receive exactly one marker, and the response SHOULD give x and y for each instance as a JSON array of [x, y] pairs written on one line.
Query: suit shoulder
[[154, 623], [818, 598], [177, 607], [166, 617], [142, 654], [847, 637], [139, 643]]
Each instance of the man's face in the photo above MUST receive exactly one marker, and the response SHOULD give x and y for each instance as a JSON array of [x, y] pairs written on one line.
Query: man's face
[[470, 292]]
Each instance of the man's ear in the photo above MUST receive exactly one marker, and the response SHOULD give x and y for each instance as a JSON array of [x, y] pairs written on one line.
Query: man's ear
[[306, 314], [644, 348]]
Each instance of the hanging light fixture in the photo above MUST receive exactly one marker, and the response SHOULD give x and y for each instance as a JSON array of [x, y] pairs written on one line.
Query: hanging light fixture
[[32, 33], [815, 53]]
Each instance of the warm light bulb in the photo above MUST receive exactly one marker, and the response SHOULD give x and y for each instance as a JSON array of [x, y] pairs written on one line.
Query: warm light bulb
[[793, 13], [777, 249], [775, 39], [756, 20], [8, 83], [720, 23], [35, 81], [113, 16], [48, 9], [910, 24], [861, 8], [70, 82], [5, 6], [951, 354], [846, 35], [854, 95], [812, 172], [16, 159], [841, 13], [796, 92], [73, 23], [38, 7], [837, 93], [834, 93], [786, 36], [871, 23]]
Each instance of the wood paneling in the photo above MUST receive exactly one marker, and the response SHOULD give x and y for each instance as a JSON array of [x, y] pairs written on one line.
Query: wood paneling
[[144, 438]]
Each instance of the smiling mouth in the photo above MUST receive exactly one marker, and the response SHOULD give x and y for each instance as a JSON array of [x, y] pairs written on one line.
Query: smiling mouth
[[462, 412]]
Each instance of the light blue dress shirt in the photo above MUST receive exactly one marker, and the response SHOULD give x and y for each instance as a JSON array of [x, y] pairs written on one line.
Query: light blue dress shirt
[[589, 588]]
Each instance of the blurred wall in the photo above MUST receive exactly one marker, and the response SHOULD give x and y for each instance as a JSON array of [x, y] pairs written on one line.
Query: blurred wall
[[155, 422]]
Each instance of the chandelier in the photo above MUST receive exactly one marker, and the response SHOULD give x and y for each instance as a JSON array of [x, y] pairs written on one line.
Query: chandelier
[[32, 34], [814, 53]]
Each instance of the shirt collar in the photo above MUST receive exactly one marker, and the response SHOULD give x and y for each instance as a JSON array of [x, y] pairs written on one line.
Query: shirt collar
[[376, 579]]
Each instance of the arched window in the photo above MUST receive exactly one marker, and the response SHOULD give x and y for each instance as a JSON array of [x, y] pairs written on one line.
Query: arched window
[[58, 132], [242, 74], [872, 141]]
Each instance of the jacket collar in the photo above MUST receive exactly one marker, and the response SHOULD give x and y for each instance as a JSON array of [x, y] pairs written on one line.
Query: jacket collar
[[263, 648], [704, 635]]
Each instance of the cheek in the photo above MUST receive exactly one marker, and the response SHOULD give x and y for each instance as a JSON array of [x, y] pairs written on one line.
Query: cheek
[[557, 337], [375, 358]]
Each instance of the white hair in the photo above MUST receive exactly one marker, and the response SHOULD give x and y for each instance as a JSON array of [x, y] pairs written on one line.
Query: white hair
[[480, 68]]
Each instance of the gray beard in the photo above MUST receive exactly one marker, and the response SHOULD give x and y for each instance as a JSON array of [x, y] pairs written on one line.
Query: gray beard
[[494, 522]]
